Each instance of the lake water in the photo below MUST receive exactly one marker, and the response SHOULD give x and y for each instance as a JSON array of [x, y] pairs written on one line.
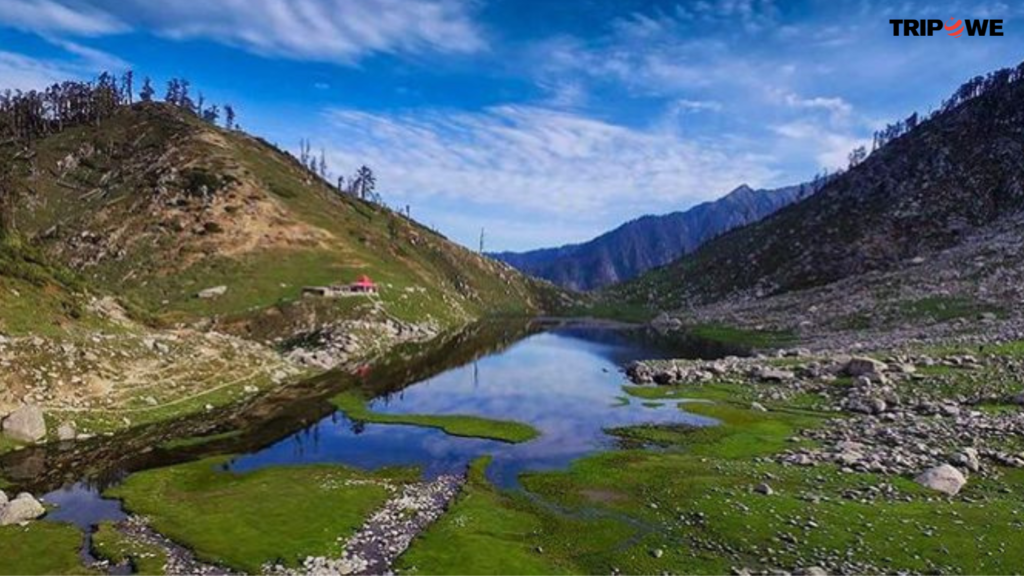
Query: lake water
[[565, 382]]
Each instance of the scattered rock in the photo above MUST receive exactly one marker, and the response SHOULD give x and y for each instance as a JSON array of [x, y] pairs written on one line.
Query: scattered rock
[[864, 366], [67, 431], [764, 488], [944, 478], [766, 374], [215, 292], [968, 458], [26, 424], [21, 509]]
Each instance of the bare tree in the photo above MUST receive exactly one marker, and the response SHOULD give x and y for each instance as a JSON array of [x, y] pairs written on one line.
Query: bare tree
[[229, 116], [322, 165], [365, 182], [127, 88], [147, 92], [857, 155], [211, 114]]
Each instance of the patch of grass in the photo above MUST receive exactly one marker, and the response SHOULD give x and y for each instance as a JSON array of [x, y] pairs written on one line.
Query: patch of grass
[[354, 406], [1013, 348], [691, 508], [484, 532], [943, 308], [108, 543], [8, 445], [710, 391], [697, 500], [41, 548], [743, 337], [246, 520]]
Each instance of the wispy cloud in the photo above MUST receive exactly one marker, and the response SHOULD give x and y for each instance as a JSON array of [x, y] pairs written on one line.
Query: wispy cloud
[[340, 31], [539, 160], [22, 72], [52, 16]]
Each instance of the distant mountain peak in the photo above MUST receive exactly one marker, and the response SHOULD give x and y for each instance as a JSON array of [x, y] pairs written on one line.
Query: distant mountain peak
[[650, 241]]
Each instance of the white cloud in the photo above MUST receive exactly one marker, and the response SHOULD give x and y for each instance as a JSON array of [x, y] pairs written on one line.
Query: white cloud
[[323, 30], [18, 71], [24, 73], [830, 148], [536, 160], [687, 105], [50, 16], [90, 59]]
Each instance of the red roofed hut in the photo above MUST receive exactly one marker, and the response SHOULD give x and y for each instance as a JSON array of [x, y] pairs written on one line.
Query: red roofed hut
[[363, 284]]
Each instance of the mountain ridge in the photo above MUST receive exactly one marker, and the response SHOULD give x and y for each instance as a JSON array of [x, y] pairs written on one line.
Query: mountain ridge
[[944, 179], [651, 240]]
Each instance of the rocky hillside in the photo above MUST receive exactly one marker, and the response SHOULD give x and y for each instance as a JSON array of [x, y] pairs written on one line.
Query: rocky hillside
[[650, 241], [156, 206], [950, 177]]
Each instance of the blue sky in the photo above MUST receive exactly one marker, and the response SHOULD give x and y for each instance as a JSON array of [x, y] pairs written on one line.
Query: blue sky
[[544, 122]]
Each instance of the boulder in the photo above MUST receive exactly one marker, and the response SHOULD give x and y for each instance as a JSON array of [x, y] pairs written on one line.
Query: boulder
[[663, 322], [968, 458], [766, 374], [214, 292], [26, 424], [864, 366], [944, 478], [21, 509], [3, 498], [67, 431], [764, 488]]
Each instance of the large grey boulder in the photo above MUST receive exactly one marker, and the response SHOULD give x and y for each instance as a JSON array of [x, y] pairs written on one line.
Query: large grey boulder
[[26, 424], [21, 509], [944, 478], [864, 366]]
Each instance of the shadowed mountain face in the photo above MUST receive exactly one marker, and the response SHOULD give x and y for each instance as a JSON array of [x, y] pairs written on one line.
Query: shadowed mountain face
[[954, 175], [650, 241]]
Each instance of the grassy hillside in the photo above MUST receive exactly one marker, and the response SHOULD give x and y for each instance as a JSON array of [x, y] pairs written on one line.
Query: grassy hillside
[[121, 224], [155, 205]]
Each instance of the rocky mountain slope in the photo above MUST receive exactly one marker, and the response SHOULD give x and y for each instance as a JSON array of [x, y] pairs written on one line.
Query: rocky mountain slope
[[650, 241], [951, 177]]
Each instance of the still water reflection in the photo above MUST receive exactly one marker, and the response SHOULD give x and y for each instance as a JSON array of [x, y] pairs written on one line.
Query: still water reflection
[[566, 383]]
